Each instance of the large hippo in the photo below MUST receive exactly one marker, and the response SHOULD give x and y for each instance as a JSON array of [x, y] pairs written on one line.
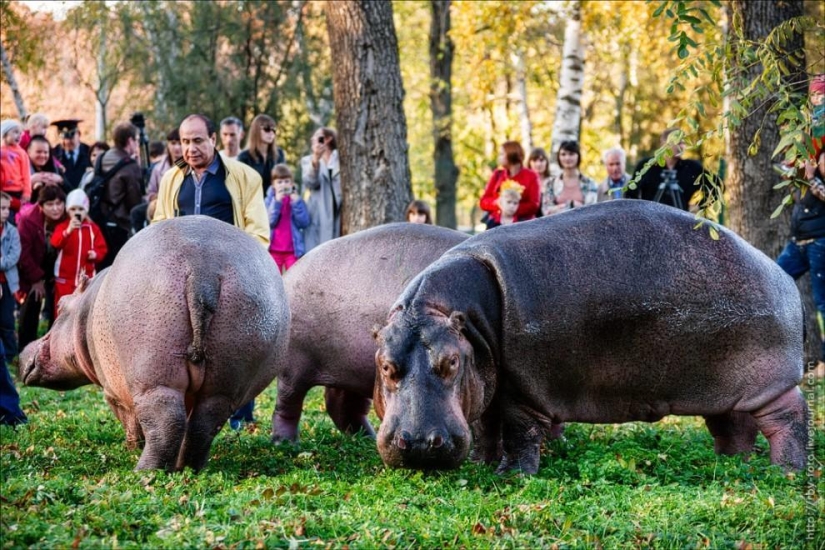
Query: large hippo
[[337, 293], [609, 313], [184, 327]]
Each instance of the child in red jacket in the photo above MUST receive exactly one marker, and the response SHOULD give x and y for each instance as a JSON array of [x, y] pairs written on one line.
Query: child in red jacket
[[80, 246]]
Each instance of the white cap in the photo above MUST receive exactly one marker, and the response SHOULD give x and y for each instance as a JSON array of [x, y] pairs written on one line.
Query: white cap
[[77, 198]]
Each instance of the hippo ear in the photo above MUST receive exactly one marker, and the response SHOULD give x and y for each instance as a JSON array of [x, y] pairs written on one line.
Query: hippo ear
[[457, 321], [377, 393], [82, 283]]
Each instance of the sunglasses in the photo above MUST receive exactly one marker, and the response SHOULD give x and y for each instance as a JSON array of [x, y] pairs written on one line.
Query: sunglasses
[[268, 129]]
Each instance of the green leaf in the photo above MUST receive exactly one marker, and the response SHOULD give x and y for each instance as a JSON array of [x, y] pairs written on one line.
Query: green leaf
[[778, 211], [714, 234]]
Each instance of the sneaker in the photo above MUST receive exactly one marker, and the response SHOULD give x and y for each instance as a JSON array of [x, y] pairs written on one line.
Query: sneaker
[[235, 425], [13, 421]]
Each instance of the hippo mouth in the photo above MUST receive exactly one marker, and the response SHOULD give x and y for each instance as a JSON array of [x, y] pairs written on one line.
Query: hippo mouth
[[431, 452], [32, 361]]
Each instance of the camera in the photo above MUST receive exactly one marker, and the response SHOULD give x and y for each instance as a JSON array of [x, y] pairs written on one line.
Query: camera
[[78, 217], [669, 176], [138, 120], [294, 189], [321, 140]]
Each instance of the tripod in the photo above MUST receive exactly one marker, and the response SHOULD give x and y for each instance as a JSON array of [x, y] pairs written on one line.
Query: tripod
[[670, 184]]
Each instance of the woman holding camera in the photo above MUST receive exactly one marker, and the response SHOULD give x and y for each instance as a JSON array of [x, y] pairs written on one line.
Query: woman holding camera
[[321, 174]]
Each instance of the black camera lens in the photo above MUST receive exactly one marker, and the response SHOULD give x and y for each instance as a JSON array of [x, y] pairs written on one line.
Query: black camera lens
[[321, 139], [78, 217]]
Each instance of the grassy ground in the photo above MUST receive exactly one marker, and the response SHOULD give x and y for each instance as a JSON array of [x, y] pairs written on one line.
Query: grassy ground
[[67, 481]]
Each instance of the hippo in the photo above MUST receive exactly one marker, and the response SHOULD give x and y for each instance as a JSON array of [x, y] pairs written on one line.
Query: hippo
[[337, 293], [185, 326], [610, 313]]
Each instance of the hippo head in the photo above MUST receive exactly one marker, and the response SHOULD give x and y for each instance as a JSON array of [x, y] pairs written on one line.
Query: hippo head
[[427, 390], [52, 361]]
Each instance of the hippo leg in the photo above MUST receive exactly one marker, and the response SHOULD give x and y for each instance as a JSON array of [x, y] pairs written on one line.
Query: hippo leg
[[349, 411], [162, 416], [522, 437], [288, 407], [487, 436], [556, 431], [783, 422], [208, 416], [127, 417], [733, 432]]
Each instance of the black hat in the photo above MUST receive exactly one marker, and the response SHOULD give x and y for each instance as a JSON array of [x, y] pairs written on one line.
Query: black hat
[[66, 128]]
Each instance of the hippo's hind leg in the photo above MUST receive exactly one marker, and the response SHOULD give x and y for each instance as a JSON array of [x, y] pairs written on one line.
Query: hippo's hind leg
[[733, 432], [783, 422], [208, 415], [289, 405], [162, 417], [349, 411]]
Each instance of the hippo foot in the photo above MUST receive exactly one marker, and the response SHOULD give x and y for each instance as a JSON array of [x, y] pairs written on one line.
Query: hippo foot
[[525, 463], [783, 422]]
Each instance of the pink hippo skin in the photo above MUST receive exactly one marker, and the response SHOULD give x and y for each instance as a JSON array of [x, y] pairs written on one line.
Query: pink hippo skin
[[616, 312], [184, 327], [337, 293]]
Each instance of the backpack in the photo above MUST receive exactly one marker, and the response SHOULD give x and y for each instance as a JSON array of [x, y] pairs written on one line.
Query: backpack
[[96, 188]]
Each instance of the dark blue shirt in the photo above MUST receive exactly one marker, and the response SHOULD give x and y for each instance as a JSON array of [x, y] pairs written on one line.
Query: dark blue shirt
[[209, 197]]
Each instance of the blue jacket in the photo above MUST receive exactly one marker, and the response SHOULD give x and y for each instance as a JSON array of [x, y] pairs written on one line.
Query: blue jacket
[[300, 219], [10, 245]]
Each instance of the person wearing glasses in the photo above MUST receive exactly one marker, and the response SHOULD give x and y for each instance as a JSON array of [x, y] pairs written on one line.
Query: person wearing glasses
[[321, 174], [262, 152]]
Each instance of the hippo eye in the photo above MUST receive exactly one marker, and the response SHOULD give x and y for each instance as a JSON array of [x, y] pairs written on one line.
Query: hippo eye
[[388, 369]]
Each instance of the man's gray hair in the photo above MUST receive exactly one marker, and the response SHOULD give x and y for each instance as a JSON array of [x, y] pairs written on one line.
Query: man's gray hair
[[230, 120], [615, 151]]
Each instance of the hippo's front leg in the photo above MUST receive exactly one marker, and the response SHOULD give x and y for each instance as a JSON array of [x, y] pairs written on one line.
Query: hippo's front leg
[[521, 438], [487, 436], [128, 418], [162, 415]]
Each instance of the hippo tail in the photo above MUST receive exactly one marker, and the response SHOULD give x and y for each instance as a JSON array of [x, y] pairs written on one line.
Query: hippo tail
[[202, 298]]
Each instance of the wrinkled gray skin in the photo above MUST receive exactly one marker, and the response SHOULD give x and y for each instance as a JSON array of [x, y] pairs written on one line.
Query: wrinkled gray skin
[[338, 293], [609, 313], [186, 326]]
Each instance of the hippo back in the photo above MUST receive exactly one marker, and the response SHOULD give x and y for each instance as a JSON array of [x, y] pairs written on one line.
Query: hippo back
[[340, 290], [198, 289], [604, 295]]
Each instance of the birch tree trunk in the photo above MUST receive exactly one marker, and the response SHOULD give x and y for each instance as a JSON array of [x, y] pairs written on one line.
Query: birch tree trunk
[[441, 103], [102, 92], [524, 108], [8, 70], [750, 178], [568, 102], [372, 129]]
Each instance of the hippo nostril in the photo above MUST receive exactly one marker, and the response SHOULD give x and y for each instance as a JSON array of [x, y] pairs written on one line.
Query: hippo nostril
[[403, 440], [435, 441]]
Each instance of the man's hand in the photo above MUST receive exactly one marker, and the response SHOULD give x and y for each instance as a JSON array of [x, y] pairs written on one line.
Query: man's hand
[[39, 290]]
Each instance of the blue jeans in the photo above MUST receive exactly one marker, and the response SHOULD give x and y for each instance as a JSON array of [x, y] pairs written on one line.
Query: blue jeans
[[7, 334], [797, 260], [10, 411]]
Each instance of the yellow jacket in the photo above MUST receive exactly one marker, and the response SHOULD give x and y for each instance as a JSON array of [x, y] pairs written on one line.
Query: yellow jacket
[[243, 184]]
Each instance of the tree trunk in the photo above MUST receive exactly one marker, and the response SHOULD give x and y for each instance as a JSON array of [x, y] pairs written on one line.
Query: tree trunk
[[524, 108], [441, 99], [750, 179], [15, 89], [372, 129], [568, 102], [102, 92]]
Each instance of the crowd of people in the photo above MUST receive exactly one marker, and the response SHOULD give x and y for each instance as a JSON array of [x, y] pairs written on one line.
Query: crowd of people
[[66, 211]]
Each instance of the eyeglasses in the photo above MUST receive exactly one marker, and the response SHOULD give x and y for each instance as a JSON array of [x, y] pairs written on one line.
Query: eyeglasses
[[268, 129]]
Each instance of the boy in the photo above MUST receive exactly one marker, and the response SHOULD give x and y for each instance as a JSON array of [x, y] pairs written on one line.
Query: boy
[[80, 245], [509, 197]]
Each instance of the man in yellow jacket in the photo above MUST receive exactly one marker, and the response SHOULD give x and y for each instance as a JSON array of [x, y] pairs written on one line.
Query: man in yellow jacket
[[212, 185]]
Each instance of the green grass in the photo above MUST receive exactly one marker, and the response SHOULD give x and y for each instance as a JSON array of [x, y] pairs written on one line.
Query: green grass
[[67, 481]]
